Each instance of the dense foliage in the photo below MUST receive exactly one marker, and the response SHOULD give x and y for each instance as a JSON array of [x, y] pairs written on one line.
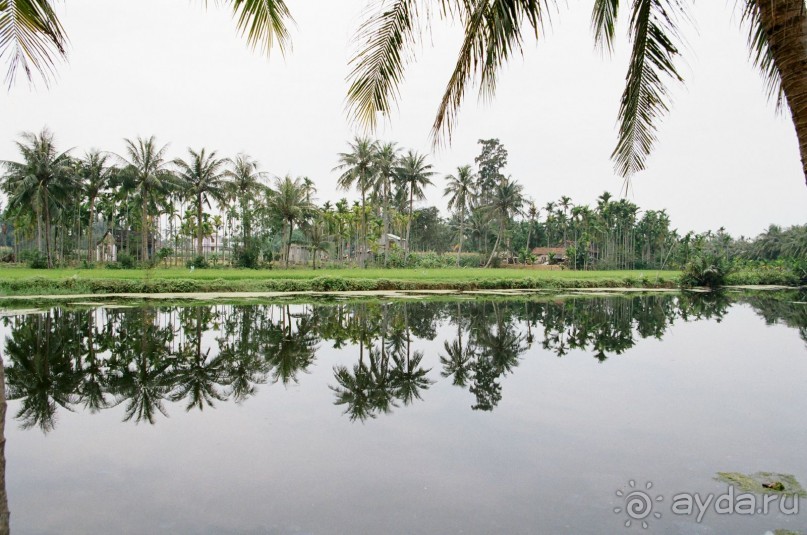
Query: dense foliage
[[210, 211]]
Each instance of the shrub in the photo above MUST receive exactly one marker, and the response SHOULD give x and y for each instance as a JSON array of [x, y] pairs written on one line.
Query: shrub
[[34, 259], [246, 257], [126, 261], [706, 270], [199, 262]]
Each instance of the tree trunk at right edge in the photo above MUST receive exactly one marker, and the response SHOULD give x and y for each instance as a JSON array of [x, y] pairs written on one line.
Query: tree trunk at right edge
[[785, 25]]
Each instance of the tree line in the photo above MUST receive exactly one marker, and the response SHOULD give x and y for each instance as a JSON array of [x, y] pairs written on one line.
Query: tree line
[[204, 208]]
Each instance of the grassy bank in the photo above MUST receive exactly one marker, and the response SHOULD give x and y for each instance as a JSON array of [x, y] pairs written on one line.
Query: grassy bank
[[23, 281]]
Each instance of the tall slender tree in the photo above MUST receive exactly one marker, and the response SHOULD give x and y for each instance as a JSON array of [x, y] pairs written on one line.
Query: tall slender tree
[[44, 180], [415, 174], [95, 174], [204, 176], [359, 168], [460, 192], [506, 201], [146, 172], [289, 204]]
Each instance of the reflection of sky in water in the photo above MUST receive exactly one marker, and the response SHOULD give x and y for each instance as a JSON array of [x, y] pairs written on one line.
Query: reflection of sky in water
[[711, 396]]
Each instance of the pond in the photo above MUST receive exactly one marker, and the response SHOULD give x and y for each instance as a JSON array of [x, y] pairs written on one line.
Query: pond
[[540, 415]]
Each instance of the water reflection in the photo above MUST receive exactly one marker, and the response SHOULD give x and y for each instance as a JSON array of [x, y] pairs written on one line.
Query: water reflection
[[197, 356]]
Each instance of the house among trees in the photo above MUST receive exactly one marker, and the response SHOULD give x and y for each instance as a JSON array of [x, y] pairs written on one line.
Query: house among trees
[[301, 255], [549, 255], [393, 240], [106, 250]]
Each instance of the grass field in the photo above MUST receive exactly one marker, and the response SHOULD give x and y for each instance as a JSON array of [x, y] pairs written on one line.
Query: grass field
[[24, 281], [429, 275]]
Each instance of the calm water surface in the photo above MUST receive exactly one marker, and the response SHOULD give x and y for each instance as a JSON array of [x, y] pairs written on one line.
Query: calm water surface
[[464, 416]]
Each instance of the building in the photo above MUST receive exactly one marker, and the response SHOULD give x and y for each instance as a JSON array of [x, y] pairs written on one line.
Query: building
[[106, 250], [549, 255], [393, 240]]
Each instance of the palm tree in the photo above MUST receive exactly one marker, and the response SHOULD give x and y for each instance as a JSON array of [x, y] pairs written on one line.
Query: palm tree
[[245, 182], [460, 191], [506, 201], [494, 32], [385, 160], [532, 213], [146, 172], [413, 173], [318, 237], [33, 38], [44, 179], [358, 167], [204, 178], [289, 205], [96, 175]]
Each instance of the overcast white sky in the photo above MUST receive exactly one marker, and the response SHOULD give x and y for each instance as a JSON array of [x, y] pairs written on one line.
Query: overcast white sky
[[175, 70]]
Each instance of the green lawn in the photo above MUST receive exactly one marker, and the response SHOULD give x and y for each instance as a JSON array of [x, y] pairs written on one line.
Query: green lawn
[[419, 275]]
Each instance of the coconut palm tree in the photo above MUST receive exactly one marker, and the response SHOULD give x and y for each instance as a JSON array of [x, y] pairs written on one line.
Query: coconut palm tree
[[414, 174], [31, 38], [44, 180], [495, 32], [506, 201], [460, 192], [146, 172], [204, 178], [288, 204], [358, 168], [385, 160], [245, 183], [96, 175]]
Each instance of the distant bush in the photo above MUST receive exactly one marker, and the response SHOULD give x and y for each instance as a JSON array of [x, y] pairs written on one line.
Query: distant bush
[[34, 259], [198, 262], [246, 257], [706, 270]]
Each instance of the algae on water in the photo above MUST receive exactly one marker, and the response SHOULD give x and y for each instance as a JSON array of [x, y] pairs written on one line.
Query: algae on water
[[764, 483]]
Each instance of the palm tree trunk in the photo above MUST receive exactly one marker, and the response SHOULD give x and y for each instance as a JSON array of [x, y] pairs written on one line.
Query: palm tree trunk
[[199, 231], [462, 233], [144, 245], [363, 230], [409, 219], [47, 230], [785, 24], [90, 247], [386, 223], [288, 242], [495, 245]]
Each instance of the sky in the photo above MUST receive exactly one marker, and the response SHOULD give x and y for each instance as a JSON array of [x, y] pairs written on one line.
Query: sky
[[179, 71]]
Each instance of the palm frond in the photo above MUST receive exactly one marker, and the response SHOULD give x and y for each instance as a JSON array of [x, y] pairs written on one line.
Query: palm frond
[[31, 38], [263, 23], [760, 52], [493, 33], [654, 32], [603, 23], [384, 48]]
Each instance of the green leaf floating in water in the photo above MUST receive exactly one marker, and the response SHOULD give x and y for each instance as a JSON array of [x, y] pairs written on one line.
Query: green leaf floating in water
[[763, 483]]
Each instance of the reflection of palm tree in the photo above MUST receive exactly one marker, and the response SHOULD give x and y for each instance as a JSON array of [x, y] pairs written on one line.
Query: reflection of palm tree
[[93, 385], [291, 351], [407, 377], [195, 375], [41, 373], [142, 368], [457, 362], [4, 513], [355, 389]]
